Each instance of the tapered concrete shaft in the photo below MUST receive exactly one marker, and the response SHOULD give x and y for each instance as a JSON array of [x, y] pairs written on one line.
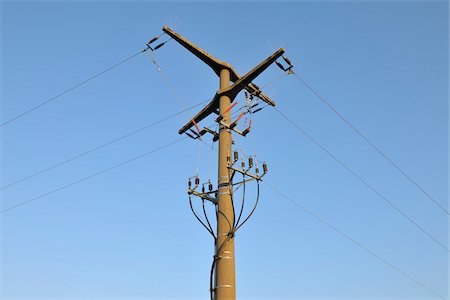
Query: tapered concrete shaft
[[225, 287]]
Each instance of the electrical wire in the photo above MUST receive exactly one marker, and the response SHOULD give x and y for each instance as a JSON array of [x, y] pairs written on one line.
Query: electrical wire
[[115, 140], [71, 89], [91, 176], [355, 242], [254, 207], [243, 201], [207, 219], [376, 148], [340, 162], [199, 219]]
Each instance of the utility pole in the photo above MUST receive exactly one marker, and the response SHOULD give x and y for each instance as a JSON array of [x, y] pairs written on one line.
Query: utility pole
[[223, 284], [225, 269]]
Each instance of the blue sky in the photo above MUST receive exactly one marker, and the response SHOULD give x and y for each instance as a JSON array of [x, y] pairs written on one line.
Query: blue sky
[[129, 233]]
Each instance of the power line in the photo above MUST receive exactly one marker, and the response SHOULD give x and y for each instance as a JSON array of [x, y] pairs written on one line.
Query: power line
[[377, 149], [115, 140], [362, 180], [101, 146], [70, 89], [91, 176], [341, 233]]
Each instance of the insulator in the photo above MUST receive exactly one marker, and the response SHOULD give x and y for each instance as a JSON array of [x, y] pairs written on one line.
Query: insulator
[[265, 167], [278, 64], [189, 135], [243, 164], [246, 131], [250, 162], [287, 61], [256, 170], [228, 158], [203, 188], [210, 187], [159, 46], [254, 105], [197, 181], [153, 40], [194, 132], [236, 155], [189, 183], [256, 110]]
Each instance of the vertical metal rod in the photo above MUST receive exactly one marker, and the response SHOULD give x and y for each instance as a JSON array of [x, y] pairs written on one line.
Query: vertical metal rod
[[225, 270]]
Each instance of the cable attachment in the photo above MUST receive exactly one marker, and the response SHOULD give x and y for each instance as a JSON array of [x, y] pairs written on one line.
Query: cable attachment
[[248, 97], [159, 45], [196, 134], [232, 125], [245, 168], [210, 186], [220, 117], [206, 192], [214, 134], [196, 184], [247, 130], [154, 40], [286, 69], [235, 156], [250, 162]]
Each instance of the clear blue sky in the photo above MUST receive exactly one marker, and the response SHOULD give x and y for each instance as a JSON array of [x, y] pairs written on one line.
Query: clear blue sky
[[129, 233]]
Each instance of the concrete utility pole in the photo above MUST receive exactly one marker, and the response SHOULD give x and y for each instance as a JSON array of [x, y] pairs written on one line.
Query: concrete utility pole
[[224, 286], [225, 273]]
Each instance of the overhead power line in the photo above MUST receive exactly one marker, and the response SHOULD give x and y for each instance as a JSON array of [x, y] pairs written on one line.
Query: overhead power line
[[362, 180], [115, 140], [70, 89], [376, 148], [355, 242], [91, 176]]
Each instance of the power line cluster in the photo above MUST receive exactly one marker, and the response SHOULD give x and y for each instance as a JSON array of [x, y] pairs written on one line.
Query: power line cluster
[[289, 70]]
